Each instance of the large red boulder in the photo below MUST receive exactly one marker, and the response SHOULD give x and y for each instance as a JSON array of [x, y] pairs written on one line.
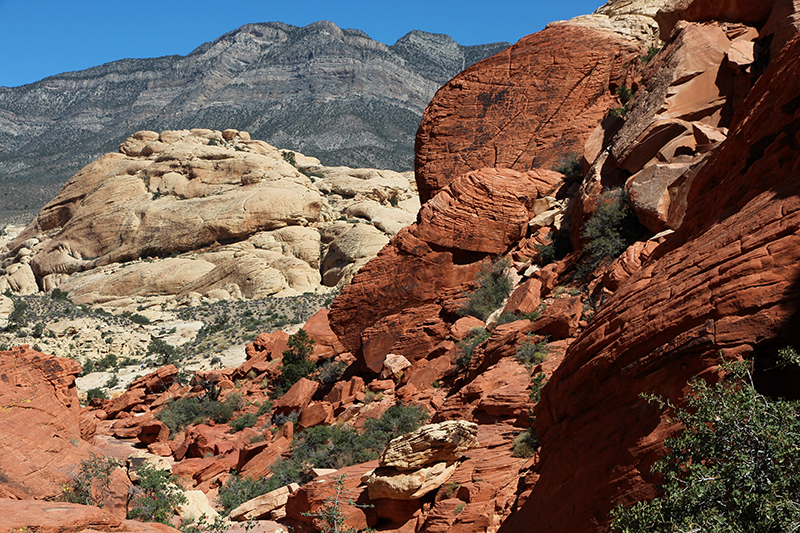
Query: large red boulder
[[525, 107], [40, 432], [725, 283]]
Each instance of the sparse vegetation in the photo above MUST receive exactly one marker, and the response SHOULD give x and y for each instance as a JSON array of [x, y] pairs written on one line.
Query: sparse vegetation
[[466, 348], [733, 467], [532, 353], [624, 94], [651, 53], [558, 247], [162, 351], [95, 471], [570, 165], [156, 497], [610, 230], [325, 447], [247, 420], [289, 157], [296, 362], [492, 287], [525, 444], [194, 410]]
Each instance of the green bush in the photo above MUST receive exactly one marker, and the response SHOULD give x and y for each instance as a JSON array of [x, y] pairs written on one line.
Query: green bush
[[525, 444], [139, 319], [245, 421], [610, 230], [95, 470], [163, 352], [651, 53], [96, 392], [492, 287], [289, 157], [331, 371], [466, 348], [558, 248], [532, 353], [733, 467], [58, 294], [570, 165], [296, 362], [156, 497], [16, 319], [195, 410]]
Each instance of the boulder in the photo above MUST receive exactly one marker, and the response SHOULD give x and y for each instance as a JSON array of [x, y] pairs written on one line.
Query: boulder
[[394, 484], [262, 506], [316, 414], [474, 121], [297, 397], [40, 424], [433, 443]]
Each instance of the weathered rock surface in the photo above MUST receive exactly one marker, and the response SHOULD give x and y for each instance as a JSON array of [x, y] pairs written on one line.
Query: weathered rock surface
[[433, 261], [248, 223], [59, 517], [394, 484], [262, 506], [442, 442], [512, 110], [725, 282], [39, 424]]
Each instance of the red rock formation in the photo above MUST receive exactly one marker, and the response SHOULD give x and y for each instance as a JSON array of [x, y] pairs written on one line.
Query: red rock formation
[[58, 517], [429, 264], [726, 282], [40, 432], [524, 107]]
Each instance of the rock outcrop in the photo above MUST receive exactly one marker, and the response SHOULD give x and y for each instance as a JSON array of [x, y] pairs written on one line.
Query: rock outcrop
[[724, 283], [39, 424], [247, 222], [525, 107]]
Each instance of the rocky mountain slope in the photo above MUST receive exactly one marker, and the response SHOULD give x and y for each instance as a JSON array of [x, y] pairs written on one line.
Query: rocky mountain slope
[[536, 420], [329, 92]]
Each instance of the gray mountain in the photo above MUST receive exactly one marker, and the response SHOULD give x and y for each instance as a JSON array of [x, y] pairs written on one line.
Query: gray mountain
[[328, 92]]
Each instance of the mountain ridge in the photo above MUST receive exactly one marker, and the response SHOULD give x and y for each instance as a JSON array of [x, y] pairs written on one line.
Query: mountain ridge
[[333, 92]]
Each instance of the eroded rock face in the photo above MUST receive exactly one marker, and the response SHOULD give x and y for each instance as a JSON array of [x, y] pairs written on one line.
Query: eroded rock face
[[40, 424], [725, 282], [247, 222], [443, 442], [432, 262], [564, 79]]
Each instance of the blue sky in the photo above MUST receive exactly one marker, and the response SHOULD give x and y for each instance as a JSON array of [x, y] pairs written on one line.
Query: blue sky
[[41, 38]]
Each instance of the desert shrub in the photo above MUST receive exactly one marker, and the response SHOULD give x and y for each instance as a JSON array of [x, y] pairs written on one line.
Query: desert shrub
[[558, 248], [96, 392], [570, 165], [331, 371], [525, 444], [733, 467], [58, 294], [610, 230], [156, 497], [296, 362], [492, 287], [238, 490], [330, 515], [107, 361], [164, 352], [194, 410], [466, 348], [245, 421], [97, 469], [289, 157], [651, 53], [538, 382], [264, 408], [532, 353], [139, 319], [16, 319], [395, 421]]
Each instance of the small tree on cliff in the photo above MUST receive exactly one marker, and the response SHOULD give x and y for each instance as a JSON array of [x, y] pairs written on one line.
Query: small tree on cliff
[[492, 287], [735, 467], [296, 362]]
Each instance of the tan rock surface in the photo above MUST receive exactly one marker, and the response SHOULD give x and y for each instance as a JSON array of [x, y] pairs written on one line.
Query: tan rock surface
[[442, 442], [393, 484]]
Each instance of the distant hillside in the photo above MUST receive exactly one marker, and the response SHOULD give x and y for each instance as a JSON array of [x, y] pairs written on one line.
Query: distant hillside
[[332, 93]]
